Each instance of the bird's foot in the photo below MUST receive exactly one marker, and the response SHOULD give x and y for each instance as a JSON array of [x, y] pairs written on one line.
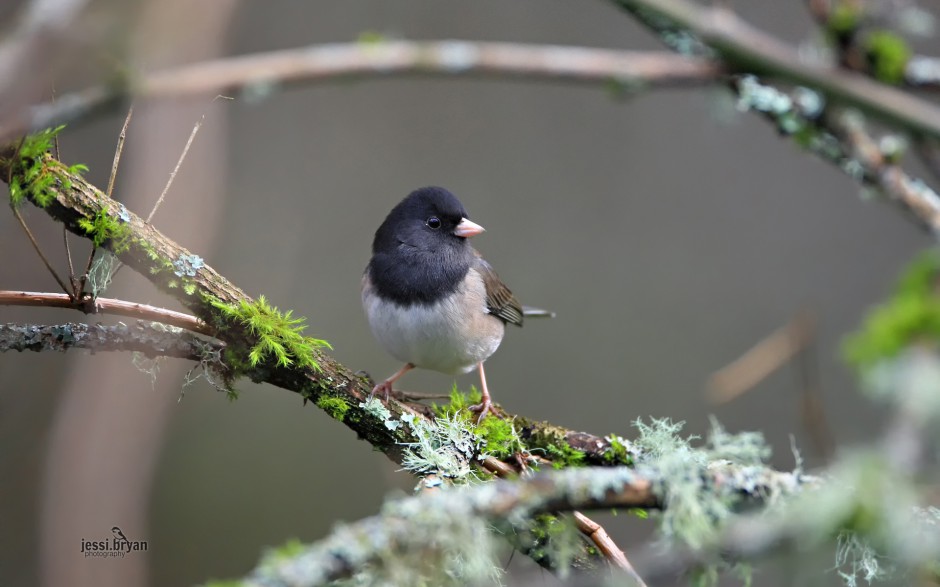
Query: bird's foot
[[483, 407], [385, 388]]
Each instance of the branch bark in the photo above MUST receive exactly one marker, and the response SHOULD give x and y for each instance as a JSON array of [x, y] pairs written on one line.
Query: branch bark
[[91, 305], [152, 339], [257, 75]]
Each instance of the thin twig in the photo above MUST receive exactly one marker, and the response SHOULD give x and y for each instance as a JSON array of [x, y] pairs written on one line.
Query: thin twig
[[106, 306], [19, 218], [118, 150], [42, 256], [179, 162], [76, 291], [812, 410], [758, 362], [84, 278], [606, 545]]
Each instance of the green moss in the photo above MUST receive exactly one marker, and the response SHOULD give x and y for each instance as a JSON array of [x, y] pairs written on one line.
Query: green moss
[[500, 438], [459, 403], [844, 19], [888, 54], [35, 173], [911, 316], [617, 453], [563, 455], [336, 407], [104, 229], [285, 552], [554, 539], [278, 335]]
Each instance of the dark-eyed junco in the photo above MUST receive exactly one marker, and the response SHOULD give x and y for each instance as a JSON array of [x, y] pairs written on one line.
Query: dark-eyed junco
[[431, 299]]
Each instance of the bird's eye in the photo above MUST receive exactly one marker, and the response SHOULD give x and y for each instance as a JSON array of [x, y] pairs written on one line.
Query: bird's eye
[[434, 222]]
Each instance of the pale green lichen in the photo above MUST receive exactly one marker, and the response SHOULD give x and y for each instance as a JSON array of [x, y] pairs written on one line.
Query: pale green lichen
[[445, 446], [696, 508], [375, 408]]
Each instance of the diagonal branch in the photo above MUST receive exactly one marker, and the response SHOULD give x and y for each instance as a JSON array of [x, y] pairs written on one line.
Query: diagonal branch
[[744, 48], [392, 427]]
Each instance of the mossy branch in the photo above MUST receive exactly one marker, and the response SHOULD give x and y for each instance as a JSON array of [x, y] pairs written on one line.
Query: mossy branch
[[152, 339], [266, 345]]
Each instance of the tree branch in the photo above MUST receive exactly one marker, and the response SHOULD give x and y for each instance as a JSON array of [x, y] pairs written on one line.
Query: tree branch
[[91, 305], [428, 522], [744, 48], [260, 73], [392, 427], [152, 339]]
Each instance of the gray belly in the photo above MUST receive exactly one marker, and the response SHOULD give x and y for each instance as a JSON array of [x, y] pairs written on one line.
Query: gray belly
[[450, 336]]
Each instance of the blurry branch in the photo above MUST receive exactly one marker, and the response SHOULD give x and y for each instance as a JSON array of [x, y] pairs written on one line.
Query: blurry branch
[[742, 48], [598, 535], [791, 343], [898, 537], [90, 305], [150, 338], [29, 45], [428, 523], [839, 138], [761, 360], [256, 76], [879, 169]]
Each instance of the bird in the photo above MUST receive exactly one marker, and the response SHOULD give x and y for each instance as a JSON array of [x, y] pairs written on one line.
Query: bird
[[119, 534], [430, 298]]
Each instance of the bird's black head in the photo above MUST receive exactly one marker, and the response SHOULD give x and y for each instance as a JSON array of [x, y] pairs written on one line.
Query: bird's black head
[[420, 252], [425, 221]]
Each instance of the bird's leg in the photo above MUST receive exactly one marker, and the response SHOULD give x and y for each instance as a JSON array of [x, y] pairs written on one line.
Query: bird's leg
[[487, 404], [386, 386]]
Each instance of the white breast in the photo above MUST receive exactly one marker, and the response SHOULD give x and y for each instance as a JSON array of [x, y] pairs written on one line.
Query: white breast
[[450, 336]]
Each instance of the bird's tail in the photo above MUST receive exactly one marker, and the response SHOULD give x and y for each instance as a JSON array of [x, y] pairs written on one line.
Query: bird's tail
[[530, 312]]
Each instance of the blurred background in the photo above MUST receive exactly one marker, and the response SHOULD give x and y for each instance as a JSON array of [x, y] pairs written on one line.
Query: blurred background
[[669, 233]]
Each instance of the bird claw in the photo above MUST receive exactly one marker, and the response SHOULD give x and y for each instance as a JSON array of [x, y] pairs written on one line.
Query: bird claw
[[483, 407], [385, 388]]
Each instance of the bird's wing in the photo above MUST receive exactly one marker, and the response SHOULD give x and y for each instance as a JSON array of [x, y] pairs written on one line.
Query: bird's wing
[[499, 300]]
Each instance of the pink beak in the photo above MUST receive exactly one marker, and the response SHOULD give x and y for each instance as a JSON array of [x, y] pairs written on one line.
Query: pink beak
[[466, 228]]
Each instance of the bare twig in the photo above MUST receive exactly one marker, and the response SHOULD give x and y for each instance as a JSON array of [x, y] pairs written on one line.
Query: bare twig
[[118, 150], [38, 250], [606, 545], [760, 361], [76, 291], [324, 63], [812, 410], [105, 306], [19, 218], [166, 188]]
